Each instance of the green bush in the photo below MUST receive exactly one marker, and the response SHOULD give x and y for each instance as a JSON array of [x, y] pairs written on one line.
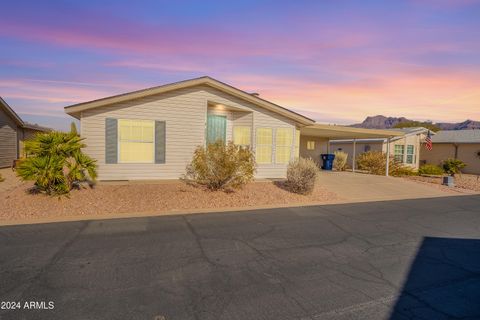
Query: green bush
[[374, 162], [431, 169], [301, 176], [219, 166], [453, 166], [340, 161], [56, 163]]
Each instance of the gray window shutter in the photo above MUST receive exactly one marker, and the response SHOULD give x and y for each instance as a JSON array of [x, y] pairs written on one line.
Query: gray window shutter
[[111, 140], [160, 141]]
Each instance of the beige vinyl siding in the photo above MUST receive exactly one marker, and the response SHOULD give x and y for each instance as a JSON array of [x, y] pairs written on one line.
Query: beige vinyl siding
[[8, 140], [244, 119], [321, 146], [467, 152], [29, 134], [184, 112], [360, 147], [261, 118], [414, 140]]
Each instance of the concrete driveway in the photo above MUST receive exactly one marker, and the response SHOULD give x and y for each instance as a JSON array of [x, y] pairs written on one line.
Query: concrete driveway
[[406, 259], [353, 187]]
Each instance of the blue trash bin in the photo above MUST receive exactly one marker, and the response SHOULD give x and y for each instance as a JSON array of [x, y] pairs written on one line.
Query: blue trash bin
[[327, 159]]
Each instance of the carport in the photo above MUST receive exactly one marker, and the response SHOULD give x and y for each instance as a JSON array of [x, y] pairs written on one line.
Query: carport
[[334, 132]]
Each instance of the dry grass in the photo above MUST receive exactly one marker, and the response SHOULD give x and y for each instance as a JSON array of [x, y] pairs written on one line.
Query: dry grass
[[106, 199], [464, 181]]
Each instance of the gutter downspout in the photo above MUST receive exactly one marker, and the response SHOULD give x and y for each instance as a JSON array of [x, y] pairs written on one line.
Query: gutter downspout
[[353, 154], [388, 157]]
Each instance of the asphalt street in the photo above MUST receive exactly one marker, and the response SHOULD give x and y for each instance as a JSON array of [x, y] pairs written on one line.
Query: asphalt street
[[407, 259]]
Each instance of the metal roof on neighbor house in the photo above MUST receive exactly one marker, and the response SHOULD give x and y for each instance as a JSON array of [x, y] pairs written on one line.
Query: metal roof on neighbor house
[[394, 134], [457, 136], [342, 132], [411, 130], [36, 127]]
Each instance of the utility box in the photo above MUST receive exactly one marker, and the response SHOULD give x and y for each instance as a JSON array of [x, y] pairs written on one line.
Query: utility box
[[448, 181]]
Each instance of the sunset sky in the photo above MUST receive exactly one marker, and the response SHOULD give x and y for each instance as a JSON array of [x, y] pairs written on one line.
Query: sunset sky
[[334, 61]]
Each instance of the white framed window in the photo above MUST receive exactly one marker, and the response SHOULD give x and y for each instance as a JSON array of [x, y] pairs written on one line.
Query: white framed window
[[136, 141], [283, 145], [263, 145], [311, 145], [399, 152], [410, 154], [242, 136]]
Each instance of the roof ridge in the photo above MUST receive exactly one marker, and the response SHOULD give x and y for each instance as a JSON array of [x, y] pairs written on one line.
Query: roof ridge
[[207, 80]]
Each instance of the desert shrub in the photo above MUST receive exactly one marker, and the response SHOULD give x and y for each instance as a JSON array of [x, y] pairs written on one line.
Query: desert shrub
[[453, 166], [301, 176], [1, 178], [219, 166], [431, 169], [398, 170], [340, 161], [374, 162], [56, 163]]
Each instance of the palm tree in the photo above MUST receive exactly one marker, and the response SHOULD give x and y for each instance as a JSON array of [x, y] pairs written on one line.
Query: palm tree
[[57, 163]]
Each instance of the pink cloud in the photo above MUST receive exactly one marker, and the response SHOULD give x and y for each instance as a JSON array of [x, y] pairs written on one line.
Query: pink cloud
[[424, 95], [52, 91], [89, 31], [420, 96]]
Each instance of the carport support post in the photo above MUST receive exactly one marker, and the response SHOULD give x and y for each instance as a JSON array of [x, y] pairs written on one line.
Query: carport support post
[[353, 154], [388, 157]]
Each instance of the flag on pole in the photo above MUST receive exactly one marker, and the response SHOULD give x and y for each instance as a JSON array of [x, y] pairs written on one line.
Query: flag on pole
[[428, 142]]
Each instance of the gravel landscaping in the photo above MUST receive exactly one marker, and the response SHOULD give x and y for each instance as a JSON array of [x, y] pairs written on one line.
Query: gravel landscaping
[[464, 181], [104, 199]]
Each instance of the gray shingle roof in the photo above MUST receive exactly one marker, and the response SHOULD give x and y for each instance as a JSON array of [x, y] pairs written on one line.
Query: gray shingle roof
[[457, 136]]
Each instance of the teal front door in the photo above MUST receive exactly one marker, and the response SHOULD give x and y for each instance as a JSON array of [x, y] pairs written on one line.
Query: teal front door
[[216, 128]]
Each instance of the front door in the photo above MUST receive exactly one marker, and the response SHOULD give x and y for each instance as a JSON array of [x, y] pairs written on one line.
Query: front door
[[216, 128]]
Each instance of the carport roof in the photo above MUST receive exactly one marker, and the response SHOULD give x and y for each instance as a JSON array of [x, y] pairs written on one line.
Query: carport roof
[[342, 132]]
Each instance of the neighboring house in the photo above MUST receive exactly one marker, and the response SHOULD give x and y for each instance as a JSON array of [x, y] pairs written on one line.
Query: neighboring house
[[153, 133], [13, 132], [459, 144], [404, 148]]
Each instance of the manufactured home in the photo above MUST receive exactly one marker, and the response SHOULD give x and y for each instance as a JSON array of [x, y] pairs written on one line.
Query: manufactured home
[[153, 133], [13, 132]]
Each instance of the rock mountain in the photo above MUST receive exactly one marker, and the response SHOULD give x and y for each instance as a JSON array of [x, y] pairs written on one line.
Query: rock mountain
[[382, 122]]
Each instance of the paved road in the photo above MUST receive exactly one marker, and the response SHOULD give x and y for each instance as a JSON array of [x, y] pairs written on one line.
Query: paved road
[[380, 260]]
